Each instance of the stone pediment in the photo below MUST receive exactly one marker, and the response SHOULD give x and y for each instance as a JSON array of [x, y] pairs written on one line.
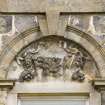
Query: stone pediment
[[53, 58]]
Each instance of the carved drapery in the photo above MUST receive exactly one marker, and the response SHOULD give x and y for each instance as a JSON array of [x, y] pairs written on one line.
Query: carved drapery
[[54, 57]]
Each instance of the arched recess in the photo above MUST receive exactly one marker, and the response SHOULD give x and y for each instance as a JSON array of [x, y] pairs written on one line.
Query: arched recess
[[25, 38]]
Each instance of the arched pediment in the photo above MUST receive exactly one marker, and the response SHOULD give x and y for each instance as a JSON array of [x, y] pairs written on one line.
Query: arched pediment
[[53, 57], [79, 38]]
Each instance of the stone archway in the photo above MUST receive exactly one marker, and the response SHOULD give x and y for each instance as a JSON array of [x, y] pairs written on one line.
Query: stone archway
[[54, 56], [21, 41]]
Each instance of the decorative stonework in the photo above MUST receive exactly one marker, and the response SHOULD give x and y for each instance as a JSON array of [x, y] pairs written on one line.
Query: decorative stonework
[[53, 57]]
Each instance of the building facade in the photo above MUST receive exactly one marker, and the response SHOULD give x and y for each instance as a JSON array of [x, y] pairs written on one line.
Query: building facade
[[52, 52]]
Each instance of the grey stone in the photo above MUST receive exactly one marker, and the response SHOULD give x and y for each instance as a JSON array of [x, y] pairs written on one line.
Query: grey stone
[[99, 23], [5, 23], [61, 5], [5, 40], [3, 5], [103, 98], [50, 23], [24, 22], [79, 21]]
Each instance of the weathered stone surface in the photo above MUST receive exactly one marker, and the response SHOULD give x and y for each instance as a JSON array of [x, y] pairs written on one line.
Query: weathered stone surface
[[3, 5], [5, 23], [3, 95], [5, 40], [24, 22], [79, 21], [99, 23], [43, 24], [92, 24], [53, 19], [103, 98], [53, 57], [61, 5], [62, 24]]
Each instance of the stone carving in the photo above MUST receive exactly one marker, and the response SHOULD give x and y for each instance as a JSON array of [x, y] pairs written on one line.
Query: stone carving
[[78, 75], [53, 59]]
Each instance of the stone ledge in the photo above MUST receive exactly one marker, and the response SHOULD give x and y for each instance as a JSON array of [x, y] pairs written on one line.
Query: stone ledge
[[7, 84], [99, 84], [60, 5]]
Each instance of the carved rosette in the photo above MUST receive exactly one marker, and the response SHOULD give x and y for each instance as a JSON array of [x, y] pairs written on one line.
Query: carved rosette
[[53, 57]]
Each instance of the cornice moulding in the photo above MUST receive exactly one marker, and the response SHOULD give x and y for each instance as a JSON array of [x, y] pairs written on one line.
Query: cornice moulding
[[7, 84]]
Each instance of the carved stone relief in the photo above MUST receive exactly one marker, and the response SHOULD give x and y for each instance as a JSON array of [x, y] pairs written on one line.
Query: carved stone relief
[[54, 57]]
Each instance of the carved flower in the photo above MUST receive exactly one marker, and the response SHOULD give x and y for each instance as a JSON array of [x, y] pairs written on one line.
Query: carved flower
[[78, 75], [27, 76]]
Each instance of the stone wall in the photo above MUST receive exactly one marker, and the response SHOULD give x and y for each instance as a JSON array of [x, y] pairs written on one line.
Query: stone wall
[[10, 25], [13, 25], [20, 18], [62, 5]]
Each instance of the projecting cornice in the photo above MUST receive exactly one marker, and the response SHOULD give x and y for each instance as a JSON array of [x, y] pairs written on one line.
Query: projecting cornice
[[7, 84], [59, 5], [99, 84]]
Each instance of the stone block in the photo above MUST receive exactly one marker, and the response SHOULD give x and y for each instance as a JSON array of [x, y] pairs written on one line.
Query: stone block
[[103, 98], [99, 23], [79, 21], [3, 5], [61, 5], [5, 23], [24, 22]]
